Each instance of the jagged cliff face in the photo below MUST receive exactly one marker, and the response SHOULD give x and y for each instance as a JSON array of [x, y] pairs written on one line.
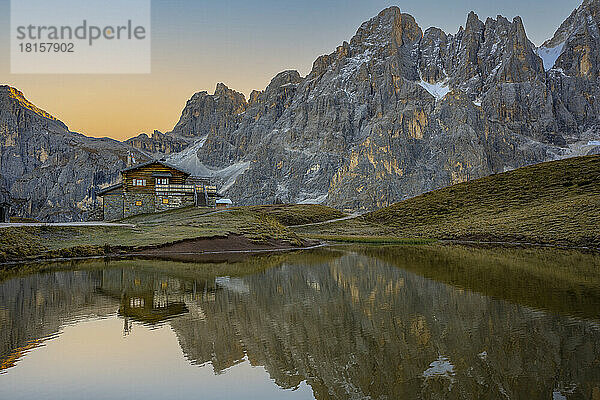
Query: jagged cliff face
[[46, 171], [393, 113], [158, 143], [398, 111], [572, 58]]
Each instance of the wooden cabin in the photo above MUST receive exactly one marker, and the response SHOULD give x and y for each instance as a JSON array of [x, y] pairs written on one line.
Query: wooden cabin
[[155, 186], [143, 178]]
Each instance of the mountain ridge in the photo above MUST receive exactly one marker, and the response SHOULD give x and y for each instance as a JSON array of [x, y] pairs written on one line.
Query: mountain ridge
[[46, 171], [392, 113], [492, 65]]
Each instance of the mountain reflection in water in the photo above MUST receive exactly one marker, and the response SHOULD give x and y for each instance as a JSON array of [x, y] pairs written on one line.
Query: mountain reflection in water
[[328, 324]]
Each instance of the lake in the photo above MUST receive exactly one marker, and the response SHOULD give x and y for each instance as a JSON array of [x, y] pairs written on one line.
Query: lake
[[345, 322]]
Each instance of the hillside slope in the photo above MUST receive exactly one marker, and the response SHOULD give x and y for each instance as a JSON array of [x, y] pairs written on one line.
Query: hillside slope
[[556, 202]]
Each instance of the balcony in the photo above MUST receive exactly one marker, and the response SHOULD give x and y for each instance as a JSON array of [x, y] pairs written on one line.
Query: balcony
[[171, 189]]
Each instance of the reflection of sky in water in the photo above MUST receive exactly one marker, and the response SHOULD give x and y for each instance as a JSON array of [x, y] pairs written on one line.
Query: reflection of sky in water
[[94, 360]]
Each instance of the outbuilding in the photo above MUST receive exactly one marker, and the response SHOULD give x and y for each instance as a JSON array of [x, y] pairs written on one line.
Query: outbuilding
[[224, 203]]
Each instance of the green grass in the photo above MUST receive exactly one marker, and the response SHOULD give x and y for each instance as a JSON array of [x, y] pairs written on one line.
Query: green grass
[[298, 214], [19, 243], [258, 224], [555, 203]]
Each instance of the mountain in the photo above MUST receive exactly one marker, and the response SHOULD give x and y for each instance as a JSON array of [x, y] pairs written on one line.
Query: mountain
[[158, 143], [391, 114], [46, 171], [397, 112]]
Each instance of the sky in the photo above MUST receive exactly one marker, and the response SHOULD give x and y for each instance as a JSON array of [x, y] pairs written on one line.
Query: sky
[[242, 43]]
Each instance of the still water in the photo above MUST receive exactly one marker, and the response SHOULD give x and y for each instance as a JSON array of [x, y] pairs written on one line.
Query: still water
[[340, 323]]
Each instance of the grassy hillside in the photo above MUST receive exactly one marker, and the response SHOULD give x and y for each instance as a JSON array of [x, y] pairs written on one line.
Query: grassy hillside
[[556, 202], [258, 224], [298, 214]]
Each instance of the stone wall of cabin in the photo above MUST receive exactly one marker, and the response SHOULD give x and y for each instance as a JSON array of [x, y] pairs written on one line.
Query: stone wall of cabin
[[174, 200], [112, 205], [4, 214], [138, 203]]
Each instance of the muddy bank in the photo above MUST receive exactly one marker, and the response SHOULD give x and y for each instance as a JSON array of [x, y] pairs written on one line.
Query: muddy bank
[[231, 243], [192, 249]]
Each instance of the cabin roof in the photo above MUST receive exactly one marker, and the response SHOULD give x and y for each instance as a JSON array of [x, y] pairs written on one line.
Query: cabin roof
[[162, 162], [103, 191], [224, 201]]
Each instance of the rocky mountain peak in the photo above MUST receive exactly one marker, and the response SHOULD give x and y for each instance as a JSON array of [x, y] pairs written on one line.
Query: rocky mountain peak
[[390, 26], [284, 79], [574, 48], [205, 113], [18, 101], [481, 55], [390, 33], [224, 91], [474, 25]]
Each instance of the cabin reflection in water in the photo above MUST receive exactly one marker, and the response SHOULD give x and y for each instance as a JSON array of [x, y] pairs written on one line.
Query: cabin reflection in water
[[150, 298]]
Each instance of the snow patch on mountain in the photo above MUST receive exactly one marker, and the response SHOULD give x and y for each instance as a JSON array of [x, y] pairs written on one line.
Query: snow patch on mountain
[[549, 55], [441, 367], [231, 173], [188, 161], [438, 90], [314, 200]]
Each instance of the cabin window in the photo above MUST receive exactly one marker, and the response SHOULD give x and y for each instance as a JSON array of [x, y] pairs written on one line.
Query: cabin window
[[162, 181], [165, 201], [139, 182]]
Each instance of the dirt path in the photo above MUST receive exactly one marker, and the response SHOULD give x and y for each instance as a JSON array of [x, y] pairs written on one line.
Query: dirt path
[[328, 221], [37, 224]]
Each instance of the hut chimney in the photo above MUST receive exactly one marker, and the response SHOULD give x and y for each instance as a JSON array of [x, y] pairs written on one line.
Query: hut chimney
[[130, 159]]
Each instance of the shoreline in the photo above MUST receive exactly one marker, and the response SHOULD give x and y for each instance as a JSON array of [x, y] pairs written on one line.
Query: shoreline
[[162, 251]]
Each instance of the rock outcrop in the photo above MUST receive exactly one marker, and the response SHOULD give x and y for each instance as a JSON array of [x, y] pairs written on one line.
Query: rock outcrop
[[46, 171], [398, 111], [158, 143]]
